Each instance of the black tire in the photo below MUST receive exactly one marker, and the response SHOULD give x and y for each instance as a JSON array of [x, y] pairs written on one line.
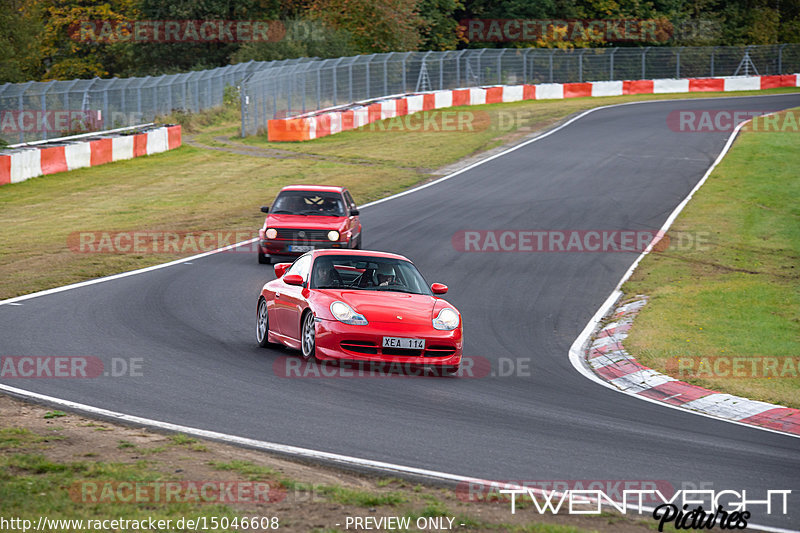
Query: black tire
[[263, 259], [262, 332], [308, 333], [357, 246]]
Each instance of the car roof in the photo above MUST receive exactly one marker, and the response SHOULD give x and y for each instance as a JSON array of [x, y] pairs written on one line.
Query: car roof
[[366, 253], [318, 188]]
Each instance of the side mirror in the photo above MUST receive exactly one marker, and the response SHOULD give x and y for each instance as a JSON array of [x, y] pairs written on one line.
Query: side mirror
[[280, 269], [265, 209], [354, 212], [293, 279], [438, 288]]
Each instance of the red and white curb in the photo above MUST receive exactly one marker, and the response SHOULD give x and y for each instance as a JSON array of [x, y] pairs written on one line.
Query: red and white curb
[[611, 362], [25, 162], [330, 121]]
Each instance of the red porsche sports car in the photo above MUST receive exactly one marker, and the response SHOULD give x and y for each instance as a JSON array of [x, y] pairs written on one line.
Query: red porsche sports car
[[307, 217], [360, 306]]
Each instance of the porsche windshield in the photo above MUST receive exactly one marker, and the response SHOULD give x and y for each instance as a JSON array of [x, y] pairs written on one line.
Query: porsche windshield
[[318, 203], [367, 273]]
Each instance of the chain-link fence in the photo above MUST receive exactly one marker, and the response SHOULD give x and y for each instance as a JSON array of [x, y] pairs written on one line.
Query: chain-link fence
[[276, 89], [291, 90], [41, 110]]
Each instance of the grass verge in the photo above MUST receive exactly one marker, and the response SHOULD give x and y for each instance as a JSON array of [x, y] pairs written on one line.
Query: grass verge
[[46, 470], [724, 314]]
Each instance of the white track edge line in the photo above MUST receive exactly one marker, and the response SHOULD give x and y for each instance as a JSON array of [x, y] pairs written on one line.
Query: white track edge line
[[123, 274], [576, 352], [305, 452]]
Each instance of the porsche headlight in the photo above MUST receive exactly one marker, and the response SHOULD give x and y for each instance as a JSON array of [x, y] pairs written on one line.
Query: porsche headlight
[[446, 320], [271, 233], [345, 314], [333, 235]]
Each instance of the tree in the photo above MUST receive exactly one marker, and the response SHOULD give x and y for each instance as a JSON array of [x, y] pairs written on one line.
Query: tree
[[439, 30], [70, 51], [20, 31], [375, 25]]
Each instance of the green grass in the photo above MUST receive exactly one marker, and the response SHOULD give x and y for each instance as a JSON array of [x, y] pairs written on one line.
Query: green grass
[[18, 438], [738, 296], [247, 469], [194, 189], [359, 498], [40, 487]]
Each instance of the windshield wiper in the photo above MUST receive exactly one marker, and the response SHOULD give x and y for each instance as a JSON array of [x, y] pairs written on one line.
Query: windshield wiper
[[285, 212], [395, 289]]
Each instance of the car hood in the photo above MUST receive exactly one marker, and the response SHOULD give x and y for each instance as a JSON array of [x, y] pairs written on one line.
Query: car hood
[[386, 306], [304, 222]]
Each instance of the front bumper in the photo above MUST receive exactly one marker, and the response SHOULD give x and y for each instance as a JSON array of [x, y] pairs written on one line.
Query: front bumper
[[283, 248], [338, 341]]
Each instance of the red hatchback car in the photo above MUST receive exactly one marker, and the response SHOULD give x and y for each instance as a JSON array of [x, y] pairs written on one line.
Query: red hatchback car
[[308, 217], [359, 306]]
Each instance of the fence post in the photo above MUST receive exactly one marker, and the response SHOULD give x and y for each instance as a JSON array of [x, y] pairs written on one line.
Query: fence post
[[289, 91], [124, 108], [611, 64], [243, 106], [713, 49], [525, 65], [319, 88], [386, 75], [21, 109], [335, 79], [350, 81], [580, 65], [405, 83], [169, 98], [678, 62], [500, 66], [780, 58], [644, 69], [553, 51], [366, 77], [105, 107], [441, 70]]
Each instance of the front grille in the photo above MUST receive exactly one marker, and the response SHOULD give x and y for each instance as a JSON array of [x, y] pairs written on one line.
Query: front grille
[[439, 351], [359, 347], [308, 234], [401, 351]]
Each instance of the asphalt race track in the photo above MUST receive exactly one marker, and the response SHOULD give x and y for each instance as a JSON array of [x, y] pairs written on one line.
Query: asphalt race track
[[616, 168]]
